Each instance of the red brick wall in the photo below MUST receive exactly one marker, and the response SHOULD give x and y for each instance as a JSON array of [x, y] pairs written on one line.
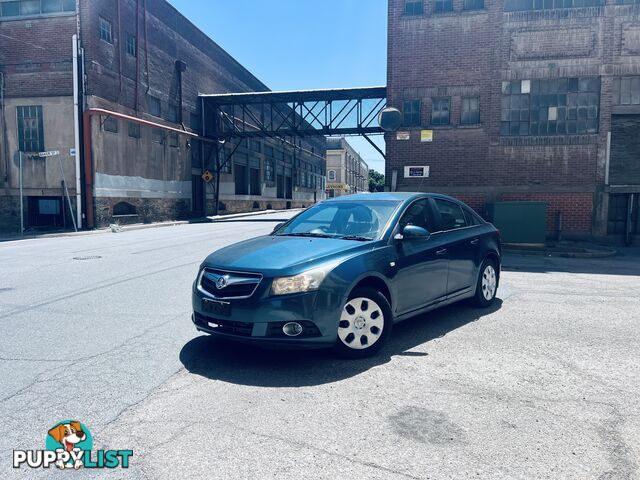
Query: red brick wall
[[470, 53], [35, 56]]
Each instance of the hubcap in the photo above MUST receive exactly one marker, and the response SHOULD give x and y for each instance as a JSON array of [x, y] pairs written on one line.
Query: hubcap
[[489, 282], [361, 323]]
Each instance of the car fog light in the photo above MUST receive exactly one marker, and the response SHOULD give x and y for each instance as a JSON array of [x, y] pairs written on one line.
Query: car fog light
[[292, 329]]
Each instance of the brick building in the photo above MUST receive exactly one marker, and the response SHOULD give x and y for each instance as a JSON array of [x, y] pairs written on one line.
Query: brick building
[[140, 59], [521, 100], [347, 172]]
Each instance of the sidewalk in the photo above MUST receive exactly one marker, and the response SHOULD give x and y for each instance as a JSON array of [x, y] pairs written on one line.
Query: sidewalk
[[139, 226], [561, 249]]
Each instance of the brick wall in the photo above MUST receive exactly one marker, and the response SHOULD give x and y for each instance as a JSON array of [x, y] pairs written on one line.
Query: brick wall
[[471, 53], [35, 56]]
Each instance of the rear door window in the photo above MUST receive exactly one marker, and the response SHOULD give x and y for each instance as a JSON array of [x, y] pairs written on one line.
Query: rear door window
[[451, 214]]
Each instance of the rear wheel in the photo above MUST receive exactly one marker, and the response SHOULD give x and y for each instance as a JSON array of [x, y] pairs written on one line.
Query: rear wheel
[[487, 284], [365, 323]]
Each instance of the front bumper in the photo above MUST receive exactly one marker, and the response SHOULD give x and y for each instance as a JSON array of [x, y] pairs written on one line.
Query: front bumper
[[259, 320]]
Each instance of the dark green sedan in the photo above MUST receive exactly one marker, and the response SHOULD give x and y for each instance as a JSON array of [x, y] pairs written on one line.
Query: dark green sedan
[[341, 273]]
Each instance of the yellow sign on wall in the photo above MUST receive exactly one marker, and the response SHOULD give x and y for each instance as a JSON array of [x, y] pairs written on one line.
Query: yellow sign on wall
[[426, 136], [207, 176]]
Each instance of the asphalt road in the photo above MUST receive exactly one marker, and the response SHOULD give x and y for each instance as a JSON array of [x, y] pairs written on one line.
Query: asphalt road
[[544, 385]]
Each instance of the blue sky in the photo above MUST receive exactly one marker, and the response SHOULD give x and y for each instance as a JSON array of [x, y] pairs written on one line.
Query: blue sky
[[302, 44]]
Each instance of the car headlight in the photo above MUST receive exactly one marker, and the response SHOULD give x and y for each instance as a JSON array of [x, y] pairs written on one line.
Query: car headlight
[[303, 282]]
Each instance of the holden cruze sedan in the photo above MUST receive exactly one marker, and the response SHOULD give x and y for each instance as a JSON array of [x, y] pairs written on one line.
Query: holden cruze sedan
[[341, 273]]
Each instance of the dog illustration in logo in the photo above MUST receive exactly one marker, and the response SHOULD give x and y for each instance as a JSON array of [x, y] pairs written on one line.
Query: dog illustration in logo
[[68, 435]]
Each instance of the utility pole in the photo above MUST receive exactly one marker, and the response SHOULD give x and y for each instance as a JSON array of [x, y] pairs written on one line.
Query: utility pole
[[216, 193], [21, 199]]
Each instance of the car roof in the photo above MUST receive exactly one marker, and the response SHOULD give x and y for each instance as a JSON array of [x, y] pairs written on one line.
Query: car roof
[[382, 196]]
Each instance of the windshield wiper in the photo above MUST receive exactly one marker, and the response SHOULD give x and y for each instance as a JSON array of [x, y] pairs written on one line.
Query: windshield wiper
[[306, 234], [355, 237]]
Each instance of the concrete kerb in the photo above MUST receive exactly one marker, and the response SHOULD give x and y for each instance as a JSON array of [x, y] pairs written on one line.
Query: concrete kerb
[[547, 251], [142, 226]]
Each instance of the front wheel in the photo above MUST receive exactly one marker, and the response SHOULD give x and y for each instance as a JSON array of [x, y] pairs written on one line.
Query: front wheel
[[487, 286], [365, 323]]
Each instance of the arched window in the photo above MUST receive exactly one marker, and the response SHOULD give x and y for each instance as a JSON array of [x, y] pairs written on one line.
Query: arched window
[[124, 208], [332, 175]]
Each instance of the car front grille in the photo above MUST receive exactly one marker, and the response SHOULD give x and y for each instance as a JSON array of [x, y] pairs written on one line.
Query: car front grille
[[241, 329], [234, 284]]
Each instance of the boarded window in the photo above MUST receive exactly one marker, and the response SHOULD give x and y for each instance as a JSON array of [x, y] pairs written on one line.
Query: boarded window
[[110, 124], [30, 129], [124, 208]]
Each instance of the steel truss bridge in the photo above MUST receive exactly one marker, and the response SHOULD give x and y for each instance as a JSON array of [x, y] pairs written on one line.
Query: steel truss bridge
[[350, 111]]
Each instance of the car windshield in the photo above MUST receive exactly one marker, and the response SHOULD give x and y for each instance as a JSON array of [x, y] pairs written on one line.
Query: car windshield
[[362, 220]]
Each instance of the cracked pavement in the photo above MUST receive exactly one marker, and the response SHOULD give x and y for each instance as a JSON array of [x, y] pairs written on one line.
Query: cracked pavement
[[546, 384]]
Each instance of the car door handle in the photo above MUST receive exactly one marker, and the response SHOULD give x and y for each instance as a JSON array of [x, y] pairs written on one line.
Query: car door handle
[[475, 241], [441, 252]]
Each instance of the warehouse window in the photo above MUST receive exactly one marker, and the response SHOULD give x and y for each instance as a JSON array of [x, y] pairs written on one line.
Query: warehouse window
[[255, 146], [106, 30], [411, 113], [131, 45], [174, 140], [441, 6], [440, 110], [157, 136], [30, 129], [194, 122], [154, 106], [268, 151], [172, 114], [225, 161], [470, 114], [473, 4], [413, 7], [134, 130], [268, 170], [626, 91], [559, 106], [27, 8], [110, 124], [519, 5]]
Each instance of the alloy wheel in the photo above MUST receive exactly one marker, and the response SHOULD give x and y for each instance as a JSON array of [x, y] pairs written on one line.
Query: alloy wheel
[[361, 323]]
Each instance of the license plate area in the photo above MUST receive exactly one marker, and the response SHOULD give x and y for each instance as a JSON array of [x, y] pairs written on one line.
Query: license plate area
[[216, 307]]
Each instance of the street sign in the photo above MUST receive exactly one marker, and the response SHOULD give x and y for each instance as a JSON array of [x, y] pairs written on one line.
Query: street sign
[[207, 176], [416, 172], [50, 153]]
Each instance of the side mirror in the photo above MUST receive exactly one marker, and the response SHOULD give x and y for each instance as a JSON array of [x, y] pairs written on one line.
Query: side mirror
[[413, 232], [277, 227]]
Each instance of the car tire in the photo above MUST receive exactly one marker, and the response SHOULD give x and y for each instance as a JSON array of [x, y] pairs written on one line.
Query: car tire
[[487, 286], [365, 323]]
